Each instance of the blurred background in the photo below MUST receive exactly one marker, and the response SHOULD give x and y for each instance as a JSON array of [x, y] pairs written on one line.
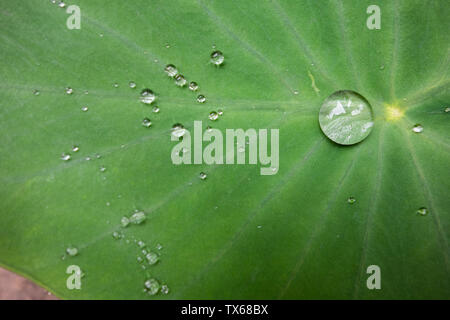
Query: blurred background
[[15, 287]]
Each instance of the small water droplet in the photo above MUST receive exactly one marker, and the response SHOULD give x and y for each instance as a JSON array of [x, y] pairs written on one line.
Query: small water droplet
[[167, 46], [447, 109], [61, 4], [346, 117], [422, 211], [213, 116], [72, 251], [152, 258], [220, 112], [152, 286], [36, 92], [132, 84], [147, 96], [69, 90], [159, 246], [417, 128], [84, 109], [116, 235], [193, 86], [156, 109], [124, 222], [139, 259], [138, 217], [141, 244], [201, 98], [87, 158], [102, 169], [178, 130], [75, 148], [180, 80], [382, 67], [217, 58], [108, 204], [203, 175], [147, 122], [164, 289], [66, 156], [296, 92], [171, 70], [351, 200], [115, 85]]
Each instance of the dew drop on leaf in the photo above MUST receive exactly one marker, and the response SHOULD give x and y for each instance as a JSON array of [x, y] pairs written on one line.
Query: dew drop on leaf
[[138, 217], [156, 109], [152, 258], [203, 176], [124, 222], [152, 286], [213, 116], [417, 128], [164, 289], [75, 148], [171, 70], [36, 92], [72, 251], [346, 117], [422, 211], [84, 109], [69, 90], [180, 80], [217, 58], [132, 84], [351, 200], [178, 130], [147, 122], [193, 86], [147, 96], [65, 157], [201, 98]]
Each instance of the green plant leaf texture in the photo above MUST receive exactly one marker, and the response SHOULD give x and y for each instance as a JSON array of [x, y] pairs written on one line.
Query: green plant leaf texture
[[236, 234]]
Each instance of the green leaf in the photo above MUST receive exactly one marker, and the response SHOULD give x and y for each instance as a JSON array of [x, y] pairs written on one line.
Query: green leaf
[[236, 234]]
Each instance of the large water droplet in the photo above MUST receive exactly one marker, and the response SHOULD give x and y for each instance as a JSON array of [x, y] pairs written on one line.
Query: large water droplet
[[152, 258], [193, 86], [417, 128], [147, 122], [178, 130], [213, 116], [171, 70], [152, 286], [201, 98], [217, 58], [138, 217], [346, 117], [180, 80], [147, 96]]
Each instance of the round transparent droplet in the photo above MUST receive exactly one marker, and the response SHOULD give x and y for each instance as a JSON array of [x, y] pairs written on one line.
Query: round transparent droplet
[[178, 130], [84, 109], [75, 148], [171, 70], [124, 222], [102, 169], [152, 258], [69, 90], [346, 117], [180, 80], [220, 112], [72, 251], [115, 85], [141, 244], [217, 58], [201, 98], [147, 96], [417, 128], [147, 122], [193, 86], [351, 200], [447, 109], [152, 286], [65, 157], [422, 211], [36, 92], [138, 217], [203, 175], [132, 84], [165, 289], [213, 116], [156, 109]]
